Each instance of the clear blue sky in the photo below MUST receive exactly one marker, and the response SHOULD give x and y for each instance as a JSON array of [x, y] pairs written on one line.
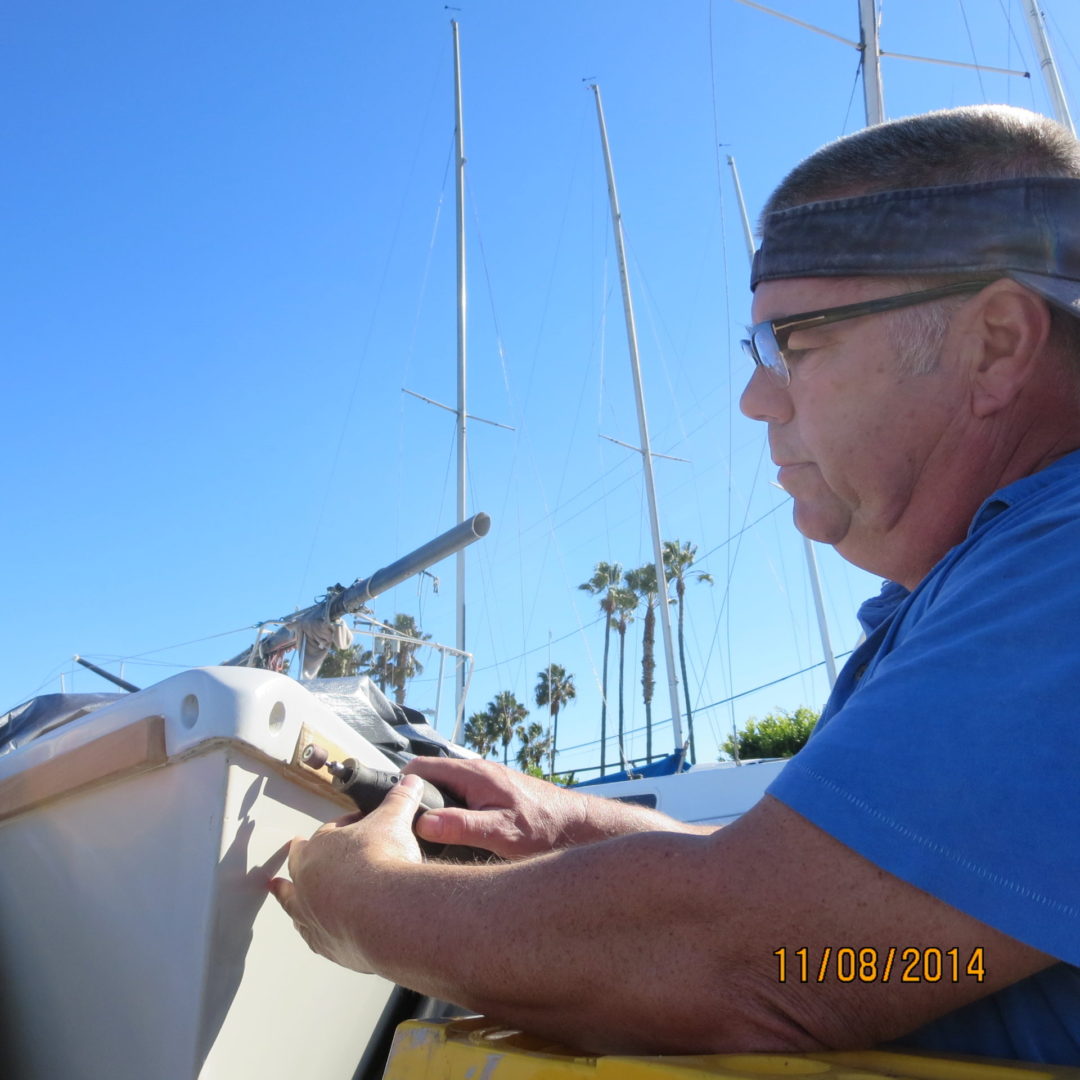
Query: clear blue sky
[[229, 245]]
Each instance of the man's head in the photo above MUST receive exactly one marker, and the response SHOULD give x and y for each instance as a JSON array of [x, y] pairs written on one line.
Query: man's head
[[895, 425]]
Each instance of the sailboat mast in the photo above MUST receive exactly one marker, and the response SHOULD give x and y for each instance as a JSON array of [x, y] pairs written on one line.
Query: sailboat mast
[[462, 417], [870, 46], [643, 429], [808, 545], [1046, 62]]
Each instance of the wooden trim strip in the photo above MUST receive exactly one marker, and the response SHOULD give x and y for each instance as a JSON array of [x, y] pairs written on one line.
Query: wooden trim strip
[[134, 748]]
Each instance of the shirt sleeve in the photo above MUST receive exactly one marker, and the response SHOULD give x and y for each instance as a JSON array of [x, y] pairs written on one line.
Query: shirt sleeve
[[953, 765]]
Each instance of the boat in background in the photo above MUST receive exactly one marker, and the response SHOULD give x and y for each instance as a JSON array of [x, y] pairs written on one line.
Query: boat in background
[[710, 793]]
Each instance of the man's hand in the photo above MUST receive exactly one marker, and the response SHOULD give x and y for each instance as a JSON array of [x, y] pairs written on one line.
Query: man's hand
[[514, 815], [509, 813], [336, 874]]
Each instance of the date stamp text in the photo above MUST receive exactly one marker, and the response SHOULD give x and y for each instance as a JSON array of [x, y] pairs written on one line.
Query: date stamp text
[[874, 965]]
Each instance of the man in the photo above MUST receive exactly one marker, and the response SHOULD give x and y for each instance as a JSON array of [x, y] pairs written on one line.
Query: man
[[916, 867]]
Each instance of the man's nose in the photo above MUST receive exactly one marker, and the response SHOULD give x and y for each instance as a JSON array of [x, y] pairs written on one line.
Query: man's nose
[[765, 399]]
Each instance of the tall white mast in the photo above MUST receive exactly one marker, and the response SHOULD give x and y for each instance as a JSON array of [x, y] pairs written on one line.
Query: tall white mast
[[1046, 63], [462, 416], [873, 95], [643, 429], [808, 545]]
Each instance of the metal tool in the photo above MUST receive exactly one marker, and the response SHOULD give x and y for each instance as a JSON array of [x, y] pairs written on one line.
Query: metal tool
[[367, 787]]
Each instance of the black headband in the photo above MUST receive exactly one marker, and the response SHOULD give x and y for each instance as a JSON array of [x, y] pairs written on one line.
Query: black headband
[[1027, 229]]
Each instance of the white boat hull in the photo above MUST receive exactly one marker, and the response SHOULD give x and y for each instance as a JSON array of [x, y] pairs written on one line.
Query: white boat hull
[[137, 938]]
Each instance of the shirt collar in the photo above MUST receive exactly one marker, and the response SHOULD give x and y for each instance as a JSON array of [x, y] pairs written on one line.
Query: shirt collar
[[1008, 496]]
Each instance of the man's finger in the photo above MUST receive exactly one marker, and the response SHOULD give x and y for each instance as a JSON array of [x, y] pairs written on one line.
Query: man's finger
[[455, 775], [467, 828], [449, 826], [402, 800], [283, 892]]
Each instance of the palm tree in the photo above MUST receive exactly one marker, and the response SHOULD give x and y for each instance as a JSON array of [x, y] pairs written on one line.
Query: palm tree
[[341, 663], [506, 713], [393, 663], [375, 664], [626, 603], [481, 733], [536, 744], [554, 688], [603, 583], [678, 558], [642, 582]]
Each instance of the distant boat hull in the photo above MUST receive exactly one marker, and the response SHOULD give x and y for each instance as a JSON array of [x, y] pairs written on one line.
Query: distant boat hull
[[713, 794]]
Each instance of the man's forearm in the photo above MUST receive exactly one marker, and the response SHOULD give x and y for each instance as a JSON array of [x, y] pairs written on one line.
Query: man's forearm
[[657, 942], [614, 947]]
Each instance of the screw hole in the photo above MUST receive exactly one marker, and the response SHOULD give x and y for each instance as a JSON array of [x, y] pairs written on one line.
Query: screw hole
[[277, 717], [189, 711]]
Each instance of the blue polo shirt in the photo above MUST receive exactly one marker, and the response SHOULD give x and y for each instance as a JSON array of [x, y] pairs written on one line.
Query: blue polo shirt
[[949, 753]]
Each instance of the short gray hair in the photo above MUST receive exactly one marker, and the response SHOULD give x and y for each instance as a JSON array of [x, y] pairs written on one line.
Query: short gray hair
[[950, 146]]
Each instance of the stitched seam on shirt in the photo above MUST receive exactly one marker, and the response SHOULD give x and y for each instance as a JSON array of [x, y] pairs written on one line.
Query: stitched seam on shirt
[[966, 864]]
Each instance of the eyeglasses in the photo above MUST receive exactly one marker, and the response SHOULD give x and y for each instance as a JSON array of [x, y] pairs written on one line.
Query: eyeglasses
[[768, 340]]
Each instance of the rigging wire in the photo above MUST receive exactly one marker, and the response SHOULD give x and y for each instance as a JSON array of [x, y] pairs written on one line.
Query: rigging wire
[[726, 596], [110, 658], [971, 44], [54, 673], [548, 518], [1059, 35], [1014, 40], [551, 537], [499, 347], [542, 647], [724, 605], [359, 367], [184, 644], [656, 324], [851, 96], [723, 701]]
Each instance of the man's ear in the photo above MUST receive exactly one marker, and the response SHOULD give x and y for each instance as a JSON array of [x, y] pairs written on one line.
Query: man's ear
[[1004, 332]]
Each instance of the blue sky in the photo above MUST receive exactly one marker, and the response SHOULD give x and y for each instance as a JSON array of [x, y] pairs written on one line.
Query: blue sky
[[229, 237]]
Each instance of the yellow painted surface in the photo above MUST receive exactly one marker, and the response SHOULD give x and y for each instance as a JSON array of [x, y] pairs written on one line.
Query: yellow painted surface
[[476, 1049]]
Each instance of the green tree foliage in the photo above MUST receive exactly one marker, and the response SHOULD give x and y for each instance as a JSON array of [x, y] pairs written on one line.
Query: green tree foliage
[[618, 596], [779, 734], [342, 663], [392, 663], [678, 558], [603, 584], [496, 725], [481, 733], [554, 688], [535, 742], [625, 604], [642, 583]]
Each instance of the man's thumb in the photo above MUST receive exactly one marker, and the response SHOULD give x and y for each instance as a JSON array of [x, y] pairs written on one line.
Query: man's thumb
[[403, 799]]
